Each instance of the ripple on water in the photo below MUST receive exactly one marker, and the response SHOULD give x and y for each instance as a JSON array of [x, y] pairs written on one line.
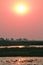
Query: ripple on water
[[21, 60]]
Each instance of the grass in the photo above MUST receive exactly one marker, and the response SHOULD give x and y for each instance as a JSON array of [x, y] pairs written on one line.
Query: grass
[[31, 52]]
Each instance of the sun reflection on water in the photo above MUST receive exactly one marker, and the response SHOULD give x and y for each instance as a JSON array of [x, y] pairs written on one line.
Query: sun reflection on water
[[21, 60]]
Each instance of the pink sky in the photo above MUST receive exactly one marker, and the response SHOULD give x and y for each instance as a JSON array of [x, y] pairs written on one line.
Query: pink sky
[[29, 26]]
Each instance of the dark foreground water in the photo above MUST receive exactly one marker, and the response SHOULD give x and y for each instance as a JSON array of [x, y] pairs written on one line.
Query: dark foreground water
[[21, 60]]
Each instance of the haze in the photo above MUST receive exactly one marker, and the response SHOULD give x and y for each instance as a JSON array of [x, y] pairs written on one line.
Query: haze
[[28, 26]]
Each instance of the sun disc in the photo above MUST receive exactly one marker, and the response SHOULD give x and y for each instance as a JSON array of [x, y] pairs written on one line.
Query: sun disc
[[21, 8]]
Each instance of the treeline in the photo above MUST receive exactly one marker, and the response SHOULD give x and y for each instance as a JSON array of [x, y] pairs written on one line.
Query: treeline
[[11, 42], [31, 52]]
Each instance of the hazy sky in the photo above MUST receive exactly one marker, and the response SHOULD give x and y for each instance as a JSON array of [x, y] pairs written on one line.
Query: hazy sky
[[28, 26]]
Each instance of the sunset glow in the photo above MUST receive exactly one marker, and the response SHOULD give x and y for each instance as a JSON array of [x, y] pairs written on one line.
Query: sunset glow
[[21, 19], [21, 8]]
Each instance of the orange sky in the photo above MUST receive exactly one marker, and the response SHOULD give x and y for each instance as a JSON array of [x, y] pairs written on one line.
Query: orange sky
[[28, 26]]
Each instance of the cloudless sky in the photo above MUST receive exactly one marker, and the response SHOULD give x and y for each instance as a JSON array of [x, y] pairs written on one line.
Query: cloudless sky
[[28, 26]]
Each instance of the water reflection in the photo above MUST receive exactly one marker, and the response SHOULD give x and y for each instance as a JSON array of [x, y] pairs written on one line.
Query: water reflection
[[37, 46], [21, 60], [12, 46]]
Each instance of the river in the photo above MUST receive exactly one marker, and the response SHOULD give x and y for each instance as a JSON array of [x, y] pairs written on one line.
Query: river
[[21, 60]]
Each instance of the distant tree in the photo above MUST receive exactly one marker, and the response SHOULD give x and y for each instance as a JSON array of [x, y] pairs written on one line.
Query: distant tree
[[7, 39], [12, 39], [2, 39], [19, 39], [25, 39]]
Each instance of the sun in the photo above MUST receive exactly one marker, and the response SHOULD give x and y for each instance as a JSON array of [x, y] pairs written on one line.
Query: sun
[[21, 8]]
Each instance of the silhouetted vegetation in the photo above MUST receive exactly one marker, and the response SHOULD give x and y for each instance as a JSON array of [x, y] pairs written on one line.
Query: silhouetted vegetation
[[31, 51], [7, 42]]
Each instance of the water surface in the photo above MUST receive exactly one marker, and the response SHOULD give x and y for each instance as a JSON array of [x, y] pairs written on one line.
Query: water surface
[[21, 60], [22, 46]]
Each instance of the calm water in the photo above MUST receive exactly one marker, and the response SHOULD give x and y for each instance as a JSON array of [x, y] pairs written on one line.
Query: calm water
[[21, 60], [37, 46]]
